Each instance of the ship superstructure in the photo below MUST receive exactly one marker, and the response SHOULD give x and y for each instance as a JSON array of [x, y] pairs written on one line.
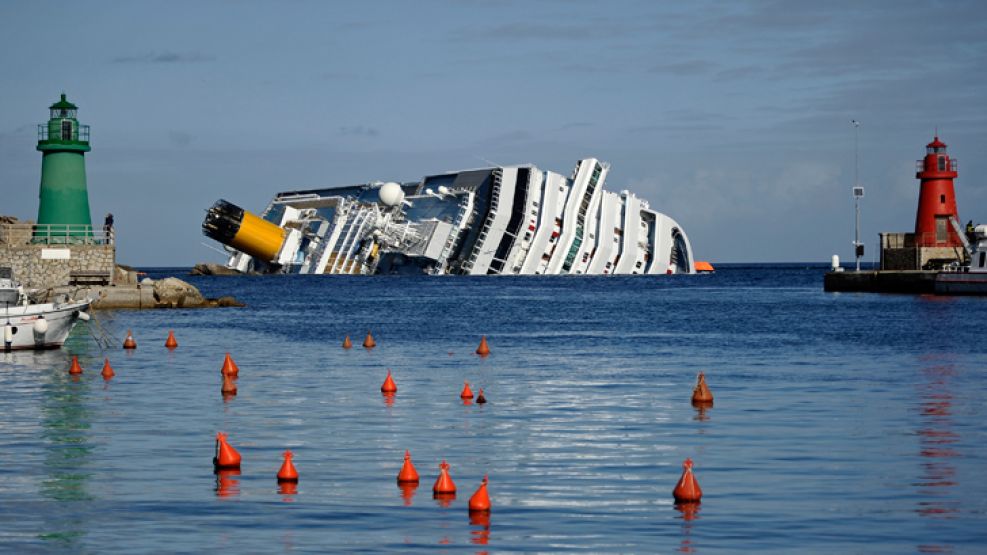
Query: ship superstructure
[[498, 220]]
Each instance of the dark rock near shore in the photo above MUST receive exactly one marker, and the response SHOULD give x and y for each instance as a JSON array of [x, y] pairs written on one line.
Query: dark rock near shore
[[213, 270]]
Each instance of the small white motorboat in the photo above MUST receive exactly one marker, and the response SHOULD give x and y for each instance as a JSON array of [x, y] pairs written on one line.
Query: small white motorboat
[[28, 325], [972, 278]]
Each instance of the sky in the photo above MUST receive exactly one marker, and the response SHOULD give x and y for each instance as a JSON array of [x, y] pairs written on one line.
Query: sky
[[734, 118]]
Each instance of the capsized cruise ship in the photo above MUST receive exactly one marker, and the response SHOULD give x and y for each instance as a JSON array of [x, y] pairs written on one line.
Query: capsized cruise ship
[[498, 220]]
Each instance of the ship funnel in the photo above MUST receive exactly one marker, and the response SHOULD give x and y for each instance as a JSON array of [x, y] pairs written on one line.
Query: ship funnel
[[233, 226]]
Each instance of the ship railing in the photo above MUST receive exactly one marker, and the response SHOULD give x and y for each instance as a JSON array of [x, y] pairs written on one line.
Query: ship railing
[[55, 234]]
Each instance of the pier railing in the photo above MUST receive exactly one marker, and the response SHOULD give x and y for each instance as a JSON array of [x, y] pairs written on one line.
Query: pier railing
[[54, 234]]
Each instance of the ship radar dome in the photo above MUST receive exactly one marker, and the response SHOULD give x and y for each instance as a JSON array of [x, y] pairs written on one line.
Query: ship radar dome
[[391, 194]]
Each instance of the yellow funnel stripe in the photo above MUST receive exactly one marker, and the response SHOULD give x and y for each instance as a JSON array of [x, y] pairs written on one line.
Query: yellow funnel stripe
[[257, 237]]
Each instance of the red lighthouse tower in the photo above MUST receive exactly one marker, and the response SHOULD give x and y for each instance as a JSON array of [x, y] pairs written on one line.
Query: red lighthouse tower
[[936, 200]]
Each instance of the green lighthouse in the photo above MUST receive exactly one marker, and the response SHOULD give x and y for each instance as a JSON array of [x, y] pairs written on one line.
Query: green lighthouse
[[64, 205]]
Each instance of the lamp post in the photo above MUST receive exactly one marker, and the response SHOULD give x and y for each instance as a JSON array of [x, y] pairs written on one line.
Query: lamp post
[[858, 193]]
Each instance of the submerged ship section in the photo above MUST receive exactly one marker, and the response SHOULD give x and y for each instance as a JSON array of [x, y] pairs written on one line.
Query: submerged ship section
[[501, 220]]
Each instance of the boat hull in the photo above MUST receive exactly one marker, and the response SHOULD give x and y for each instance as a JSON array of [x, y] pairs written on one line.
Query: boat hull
[[24, 329], [956, 283]]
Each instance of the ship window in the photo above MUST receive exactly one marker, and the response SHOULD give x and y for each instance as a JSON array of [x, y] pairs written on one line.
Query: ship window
[[942, 199], [942, 163], [983, 258]]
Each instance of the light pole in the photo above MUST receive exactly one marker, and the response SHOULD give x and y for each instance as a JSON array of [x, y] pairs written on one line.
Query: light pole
[[858, 193]]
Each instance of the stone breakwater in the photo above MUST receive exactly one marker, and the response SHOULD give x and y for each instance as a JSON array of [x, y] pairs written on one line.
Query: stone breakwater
[[42, 266], [163, 293]]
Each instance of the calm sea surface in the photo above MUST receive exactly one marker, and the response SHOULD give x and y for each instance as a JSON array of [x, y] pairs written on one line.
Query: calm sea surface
[[842, 422]]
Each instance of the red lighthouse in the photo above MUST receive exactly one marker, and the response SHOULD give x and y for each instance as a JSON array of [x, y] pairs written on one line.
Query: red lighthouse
[[936, 201]]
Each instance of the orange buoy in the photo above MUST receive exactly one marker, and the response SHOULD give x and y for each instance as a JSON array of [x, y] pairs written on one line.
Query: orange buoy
[[480, 399], [408, 474], [75, 368], [107, 372], [481, 499], [226, 456], [229, 367], [347, 344], [171, 342], [483, 350], [388, 386], [129, 342], [701, 393], [687, 490], [229, 388], [368, 342], [444, 483], [287, 472], [467, 392]]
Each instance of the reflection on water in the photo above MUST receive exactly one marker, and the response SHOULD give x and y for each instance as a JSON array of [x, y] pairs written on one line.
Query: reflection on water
[[227, 484], [65, 420], [480, 519], [408, 490], [936, 443], [690, 512]]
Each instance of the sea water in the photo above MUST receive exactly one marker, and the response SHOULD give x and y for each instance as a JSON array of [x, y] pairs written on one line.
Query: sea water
[[841, 423]]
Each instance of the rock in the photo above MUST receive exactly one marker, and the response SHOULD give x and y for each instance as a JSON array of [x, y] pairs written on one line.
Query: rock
[[176, 293], [226, 301], [147, 281], [212, 270]]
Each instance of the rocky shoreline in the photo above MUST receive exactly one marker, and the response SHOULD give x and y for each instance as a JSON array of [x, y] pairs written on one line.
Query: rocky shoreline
[[163, 293]]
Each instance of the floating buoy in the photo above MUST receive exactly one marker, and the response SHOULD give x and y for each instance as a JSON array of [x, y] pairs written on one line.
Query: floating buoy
[[107, 372], [229, 388], [481, 499], [483, 350], [75, 368], [226, 456], [701, 393], [171, 342], [467, 392], [687, 490], [287, 472], [129, 342], [408, 474], [388, 386], [347, 344], [368, 342], [480, 399], [444, 483], [229, 367]]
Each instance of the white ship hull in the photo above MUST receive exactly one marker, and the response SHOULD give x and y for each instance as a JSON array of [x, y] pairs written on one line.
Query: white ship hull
[[504, 220]]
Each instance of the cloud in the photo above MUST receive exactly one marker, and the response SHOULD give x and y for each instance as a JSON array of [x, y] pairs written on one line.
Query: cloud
[[684, 68], [164, 58], [180, 139], [358, 131]]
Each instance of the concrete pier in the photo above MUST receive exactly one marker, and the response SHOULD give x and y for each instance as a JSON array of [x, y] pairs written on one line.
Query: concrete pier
[[881, 281]]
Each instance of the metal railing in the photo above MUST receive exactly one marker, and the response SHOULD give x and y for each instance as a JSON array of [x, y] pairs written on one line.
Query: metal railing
[[79, 133], [55, 234], [952, 166]]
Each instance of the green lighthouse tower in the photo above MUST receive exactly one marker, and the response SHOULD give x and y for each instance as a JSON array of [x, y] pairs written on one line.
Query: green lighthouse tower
[[63, 143]]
